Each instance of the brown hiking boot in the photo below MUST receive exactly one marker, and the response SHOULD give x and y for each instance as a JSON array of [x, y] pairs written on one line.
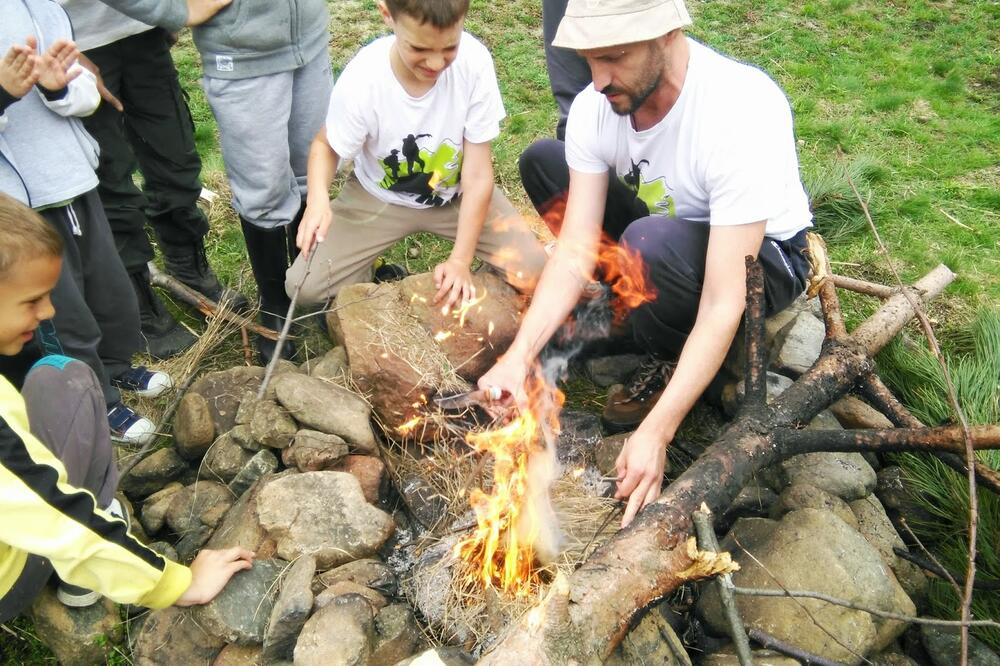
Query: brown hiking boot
[[629, 405]]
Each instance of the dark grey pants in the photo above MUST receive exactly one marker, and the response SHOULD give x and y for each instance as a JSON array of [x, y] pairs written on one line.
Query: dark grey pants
[[66, 412], [568, 72], [155, 133], [672, 249], [97, 314]]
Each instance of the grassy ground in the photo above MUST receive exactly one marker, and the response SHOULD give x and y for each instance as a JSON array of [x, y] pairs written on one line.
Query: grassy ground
[[903, 94]]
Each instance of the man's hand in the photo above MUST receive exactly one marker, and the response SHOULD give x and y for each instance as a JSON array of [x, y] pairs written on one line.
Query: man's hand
[[453, 280], [640, 471], [17, 71], [200, 11], [210, 572], [56, 67], [106, 94], [315, 223], [509, 375]]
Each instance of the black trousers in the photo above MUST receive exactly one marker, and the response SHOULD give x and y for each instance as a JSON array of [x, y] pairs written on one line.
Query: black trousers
[[66, 412], [154, 134], [568, 72], [673, 250], [97, 314]]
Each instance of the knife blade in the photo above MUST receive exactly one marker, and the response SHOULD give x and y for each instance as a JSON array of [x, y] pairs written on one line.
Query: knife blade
[[481, 397]]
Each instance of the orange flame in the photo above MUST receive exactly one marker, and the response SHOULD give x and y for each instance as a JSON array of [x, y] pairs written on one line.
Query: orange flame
[[515, 525], [623, 269]]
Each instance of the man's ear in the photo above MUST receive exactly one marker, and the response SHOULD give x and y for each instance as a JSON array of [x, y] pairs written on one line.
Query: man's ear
[[383, 9]]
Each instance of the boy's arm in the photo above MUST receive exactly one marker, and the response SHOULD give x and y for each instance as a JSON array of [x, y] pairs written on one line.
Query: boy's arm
[[320, 171], [170, 14], [453, 277]]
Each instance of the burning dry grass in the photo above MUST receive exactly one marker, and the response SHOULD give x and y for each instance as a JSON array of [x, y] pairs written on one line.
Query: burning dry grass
[[464, 610]]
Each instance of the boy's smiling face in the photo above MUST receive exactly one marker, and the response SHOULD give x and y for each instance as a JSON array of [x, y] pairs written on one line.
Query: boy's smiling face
[[24, 300], [422, 51]]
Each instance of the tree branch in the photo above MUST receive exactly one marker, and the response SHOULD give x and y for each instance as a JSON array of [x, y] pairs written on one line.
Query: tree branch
[[945, 438], [863, 287], [770, 642], [755, 376]]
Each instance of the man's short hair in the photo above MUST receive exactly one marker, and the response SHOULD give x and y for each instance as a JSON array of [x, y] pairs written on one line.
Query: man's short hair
[[439, 13], [24, 235]]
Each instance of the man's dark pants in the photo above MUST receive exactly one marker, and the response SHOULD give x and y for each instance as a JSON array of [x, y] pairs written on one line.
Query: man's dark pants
[[673, 250], [155, 133], [66, 413]]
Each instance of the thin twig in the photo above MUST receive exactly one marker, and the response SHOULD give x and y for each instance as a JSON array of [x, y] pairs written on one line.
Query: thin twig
[[970, 454], [888, 615], [938, 570], [770, 642], [283, 336], [706, 541], [920, 544], [863, 287]]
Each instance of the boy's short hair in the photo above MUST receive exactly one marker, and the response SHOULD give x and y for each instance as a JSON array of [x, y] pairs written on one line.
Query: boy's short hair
[[24, 235], [439, 13]]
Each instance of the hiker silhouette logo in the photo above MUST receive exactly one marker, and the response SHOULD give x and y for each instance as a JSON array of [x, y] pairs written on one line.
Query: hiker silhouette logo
[[430, 175], [654, 194]]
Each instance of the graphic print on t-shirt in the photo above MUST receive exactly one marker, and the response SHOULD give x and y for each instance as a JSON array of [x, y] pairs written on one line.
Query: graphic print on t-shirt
[[411, 169], [652, 193]]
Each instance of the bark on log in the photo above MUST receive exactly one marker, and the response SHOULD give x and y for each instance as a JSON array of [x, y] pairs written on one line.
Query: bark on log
[[649, 559]]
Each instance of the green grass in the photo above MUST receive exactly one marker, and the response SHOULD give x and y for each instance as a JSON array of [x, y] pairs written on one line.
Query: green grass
[[915, 375]]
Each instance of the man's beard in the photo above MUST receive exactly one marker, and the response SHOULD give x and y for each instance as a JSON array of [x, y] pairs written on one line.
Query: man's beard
[[651, 81]]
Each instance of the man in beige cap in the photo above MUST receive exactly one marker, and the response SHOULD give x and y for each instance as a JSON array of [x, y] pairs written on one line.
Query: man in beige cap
[[688, 158]]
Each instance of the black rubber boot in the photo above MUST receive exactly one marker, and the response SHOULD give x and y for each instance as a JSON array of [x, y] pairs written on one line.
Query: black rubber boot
[[269, 254], [163, 335], [189, 264]]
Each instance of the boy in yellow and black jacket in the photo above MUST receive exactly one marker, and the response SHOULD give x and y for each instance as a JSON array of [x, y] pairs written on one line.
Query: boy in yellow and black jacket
[[57, 472]]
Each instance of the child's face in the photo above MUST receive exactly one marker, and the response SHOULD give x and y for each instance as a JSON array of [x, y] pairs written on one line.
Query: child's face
[[424, 50], [24, 300]]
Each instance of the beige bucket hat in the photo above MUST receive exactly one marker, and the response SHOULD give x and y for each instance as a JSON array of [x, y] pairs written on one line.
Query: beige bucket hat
[[594, 24]]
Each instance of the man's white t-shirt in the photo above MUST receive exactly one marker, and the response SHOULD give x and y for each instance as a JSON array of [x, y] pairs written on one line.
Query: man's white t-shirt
[[724, 154], [408, 150]]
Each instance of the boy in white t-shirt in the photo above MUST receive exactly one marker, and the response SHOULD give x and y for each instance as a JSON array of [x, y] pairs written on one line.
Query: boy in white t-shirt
[[416, 111]]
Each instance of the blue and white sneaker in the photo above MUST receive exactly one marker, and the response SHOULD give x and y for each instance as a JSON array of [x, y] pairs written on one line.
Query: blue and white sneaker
[[143, 382], [128, 427]]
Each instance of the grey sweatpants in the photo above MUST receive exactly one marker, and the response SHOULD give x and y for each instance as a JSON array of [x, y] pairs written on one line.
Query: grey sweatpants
[[266, 124], [66, 412]]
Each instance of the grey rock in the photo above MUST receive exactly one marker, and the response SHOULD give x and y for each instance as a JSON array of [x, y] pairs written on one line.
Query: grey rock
[[732, 395], [154, 509], [427, 505], [241, 435], [313, 451], [397, 634], [340, 634], [196, 505], [171, 637], [580, 433], [271, 425], [194, 428], [428, 589], [345, 587], [874, 525], [727, 657], [847, 475], [77, 636], [292, 608], [241, 655], [326, 407], [898, 495], [607, 450], [752, 501], [262, 464], [241, 527], [332, 367], [943, 646], [152, 473], [810, 549], [165, 549], [853, 413], [324, 514], [192, 541], [244, 413], [224, 460], [606, 371], [803, 344], [804, 496], [892, 659], [367, 572], [224, 390], [239, 614], [652, 641], [448, 656]]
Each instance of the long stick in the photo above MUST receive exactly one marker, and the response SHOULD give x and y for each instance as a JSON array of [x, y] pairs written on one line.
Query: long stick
[[770, 642], [205, 305], [273, 363]]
